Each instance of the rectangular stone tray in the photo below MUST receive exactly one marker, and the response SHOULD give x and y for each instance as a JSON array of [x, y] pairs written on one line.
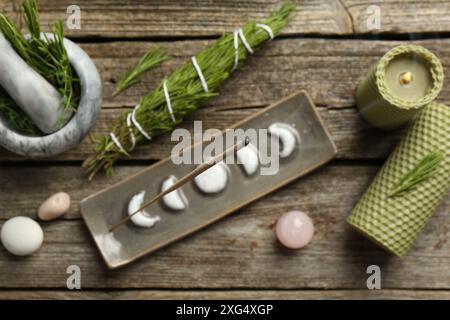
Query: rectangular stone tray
[[129, 242]]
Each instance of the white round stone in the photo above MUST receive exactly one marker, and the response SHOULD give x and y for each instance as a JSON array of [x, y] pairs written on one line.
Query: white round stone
[[22, 236]]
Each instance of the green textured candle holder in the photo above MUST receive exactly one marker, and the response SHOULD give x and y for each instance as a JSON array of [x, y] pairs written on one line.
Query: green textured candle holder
[[384, 108], [394, 222]]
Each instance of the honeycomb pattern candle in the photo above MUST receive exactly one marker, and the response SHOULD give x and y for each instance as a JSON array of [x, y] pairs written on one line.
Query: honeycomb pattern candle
[[405, 80], [392, 213]]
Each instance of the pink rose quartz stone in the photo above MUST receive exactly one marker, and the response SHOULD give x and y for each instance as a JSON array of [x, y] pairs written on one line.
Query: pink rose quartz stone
[[294, 229]]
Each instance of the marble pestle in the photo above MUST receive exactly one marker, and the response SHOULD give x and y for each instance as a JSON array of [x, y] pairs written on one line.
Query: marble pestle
[[31, 92]]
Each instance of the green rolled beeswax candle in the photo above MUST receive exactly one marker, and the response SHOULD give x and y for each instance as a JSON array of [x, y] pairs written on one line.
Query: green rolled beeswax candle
[[406, 79], [395, 221]]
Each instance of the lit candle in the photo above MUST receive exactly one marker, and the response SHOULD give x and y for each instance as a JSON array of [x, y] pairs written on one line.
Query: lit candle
[[405, 80]]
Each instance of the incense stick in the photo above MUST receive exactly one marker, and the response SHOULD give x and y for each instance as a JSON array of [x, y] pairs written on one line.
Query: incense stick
[[197, 171]]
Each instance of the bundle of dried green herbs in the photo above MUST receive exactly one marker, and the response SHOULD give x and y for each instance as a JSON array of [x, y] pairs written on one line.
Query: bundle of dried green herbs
[[47, 56], [185, 90]]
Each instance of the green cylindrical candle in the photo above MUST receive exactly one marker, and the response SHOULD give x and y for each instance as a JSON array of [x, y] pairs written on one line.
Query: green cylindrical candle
[[406, 79], [394, 222]]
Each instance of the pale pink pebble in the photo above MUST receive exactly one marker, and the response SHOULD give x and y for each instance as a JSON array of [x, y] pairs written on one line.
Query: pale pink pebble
[[294, 229], [54, 207]]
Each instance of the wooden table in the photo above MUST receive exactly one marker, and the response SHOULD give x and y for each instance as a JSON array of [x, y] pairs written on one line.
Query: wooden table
[[326, 50]]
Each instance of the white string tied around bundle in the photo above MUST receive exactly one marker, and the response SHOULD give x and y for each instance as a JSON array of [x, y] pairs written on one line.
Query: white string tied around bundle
[[239, 33], [236, 50], [117, 143], [244, 41], [138, 125], [267, 29], [200, 74], [168, 102], [130, 130]]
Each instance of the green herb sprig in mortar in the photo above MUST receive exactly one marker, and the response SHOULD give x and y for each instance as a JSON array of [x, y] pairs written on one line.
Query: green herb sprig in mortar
[[47, 56], [186, 92], [17, 119]]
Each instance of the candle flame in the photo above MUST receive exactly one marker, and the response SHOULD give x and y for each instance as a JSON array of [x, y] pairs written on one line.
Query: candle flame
[[406, 78]]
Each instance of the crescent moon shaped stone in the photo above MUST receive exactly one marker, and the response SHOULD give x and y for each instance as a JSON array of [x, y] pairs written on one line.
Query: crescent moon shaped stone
[[288, 136]]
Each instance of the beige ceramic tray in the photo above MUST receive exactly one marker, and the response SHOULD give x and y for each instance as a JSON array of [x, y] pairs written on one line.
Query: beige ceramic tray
[[129, 242]]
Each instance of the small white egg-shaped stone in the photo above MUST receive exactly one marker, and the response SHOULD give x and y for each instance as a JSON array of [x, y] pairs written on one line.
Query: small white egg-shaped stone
[[22, 236], [54, 207]]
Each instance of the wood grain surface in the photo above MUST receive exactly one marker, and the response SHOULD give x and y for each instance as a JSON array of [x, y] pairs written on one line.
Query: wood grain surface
[[226, 294], [328, 69], [239, 252], [326, 50], [191, 18]]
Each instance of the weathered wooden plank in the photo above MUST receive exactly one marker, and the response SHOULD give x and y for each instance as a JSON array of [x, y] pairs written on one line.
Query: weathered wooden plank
[[205, 18], [227, 295], [329, 69], [190, 18], [54, 178], [9, 8], [398, 16], [346, 128], [238, 252]]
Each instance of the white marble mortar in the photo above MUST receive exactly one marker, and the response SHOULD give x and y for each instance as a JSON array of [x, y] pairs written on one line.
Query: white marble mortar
[[31, 92], [78, 126]]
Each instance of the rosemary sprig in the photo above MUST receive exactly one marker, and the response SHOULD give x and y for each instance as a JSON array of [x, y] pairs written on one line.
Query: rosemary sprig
[[422, 171], [32, 18], [186, 91], [151, 59], [47, 56], [12, 33], [16, 118]]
